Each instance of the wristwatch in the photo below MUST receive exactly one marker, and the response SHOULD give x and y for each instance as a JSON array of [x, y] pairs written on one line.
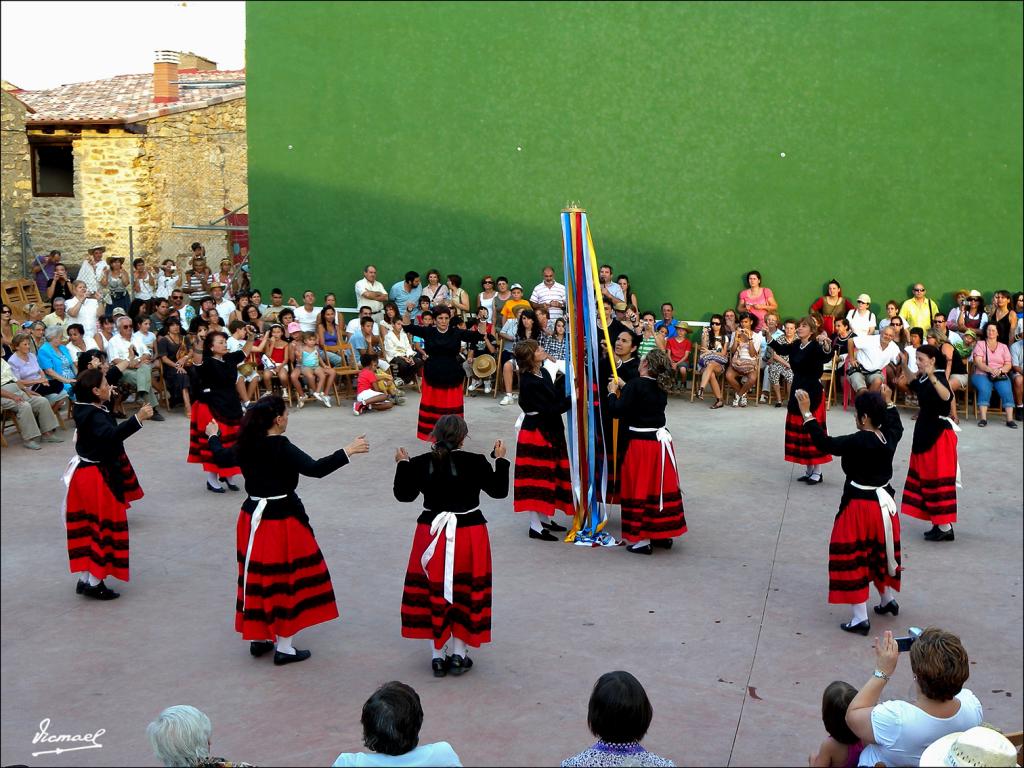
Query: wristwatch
[[880, 675], [808, 415]]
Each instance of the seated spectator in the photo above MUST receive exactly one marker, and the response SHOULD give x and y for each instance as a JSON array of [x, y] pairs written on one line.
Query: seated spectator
[[33, 312], [276, 359], [779, 369], [35, 418], [366, 338], [870, 357], [143, 338], [862, 319], [501, 295], [181, 308], [55, 360], [729, 321], [981, 745], [992, 364], [892, 311], [712, 358], [78, 342], [1017, 376], [137, 366], [557, 349], [743, 354], [960, 298], [901, 332], [488, 345], [908, 364], [306, 315], [312, 368], [526, 327], [221, 302], [172, 351], [842, 747], [7, 329], [58, 318], [242, 302], [1017, 304], [180, 736], [286, 317], [392, 718], [832, 306], [328, 335], [368, 395], [251, 316], [161, 311], [30, 376], [421, 310], [400, 355], [248, 380], [956, 369], [679, 348], [769, 332], [619, 715], [276, 305], [897, 732], [59, 285], [628, 294]]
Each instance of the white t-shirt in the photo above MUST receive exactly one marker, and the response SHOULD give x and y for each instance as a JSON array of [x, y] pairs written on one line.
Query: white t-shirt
[[234, 345], [366, 285], [145, 344], [440, 754], [86, 315], [352, 327], [224, 309], [75, 351], [861, 325], [911, 351], [118, 347], [871, 356], [903, 732], [165, 285], [307, 320]]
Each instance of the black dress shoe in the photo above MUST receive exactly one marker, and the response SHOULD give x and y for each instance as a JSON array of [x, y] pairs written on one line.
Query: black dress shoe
[[459, 665], [214, 489], [543, 535], [936, 534], [259, 647], [551, 525], [440, 667], [80, 587], [157, 416], [860, 629], [891, 607], [280, 659], [802, 478], [646, 549], [100, 592], [662, 543], [231, 486]]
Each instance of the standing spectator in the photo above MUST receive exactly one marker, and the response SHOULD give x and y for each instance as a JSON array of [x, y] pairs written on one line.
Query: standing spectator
[[627, 291], [55, 360], [406, 293], [35, 418], [1003, 316], [832, 306], [434, 290], [668, 313], [391, 720], [992, 365], [502, 294], [756, 299], [7, 329], [45, 269], [353, 326], [892, 311], [391, 313], [608, 288], [1017, 304], [896, 732], [371, 292], [917, 311], [862, 319], [198, 278], [168, 280], [458, 299], [557, 348], [93, 273], [619, 715], [869, 357], [143, 281], [272, 310], [549, 294], [306, 315], [225, 276], [485, 299], [139, 368], [59, 317], [59, 286], [221, 303], [511, 308], [119, 283]]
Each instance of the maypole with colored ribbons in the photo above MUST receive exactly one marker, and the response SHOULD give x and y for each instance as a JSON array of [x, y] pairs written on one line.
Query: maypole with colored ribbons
[[586, 331]]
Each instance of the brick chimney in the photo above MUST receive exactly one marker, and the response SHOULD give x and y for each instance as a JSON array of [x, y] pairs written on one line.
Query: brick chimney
[[165, 73]]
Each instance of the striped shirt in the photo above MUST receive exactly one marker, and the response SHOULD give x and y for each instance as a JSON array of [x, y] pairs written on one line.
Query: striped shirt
[[544, 295]]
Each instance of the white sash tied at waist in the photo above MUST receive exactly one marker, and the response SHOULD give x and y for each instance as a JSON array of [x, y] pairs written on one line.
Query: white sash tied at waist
[[446, 523], [956, 430], [68, 474], [665, 438], [522, 418], [254, 523], [888, 505]]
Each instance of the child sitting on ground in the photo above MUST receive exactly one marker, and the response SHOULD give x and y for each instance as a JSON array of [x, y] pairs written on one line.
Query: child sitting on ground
[[368, 396], [842, 747]]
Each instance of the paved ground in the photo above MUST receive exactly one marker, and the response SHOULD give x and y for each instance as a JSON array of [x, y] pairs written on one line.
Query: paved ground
[[729, 632]]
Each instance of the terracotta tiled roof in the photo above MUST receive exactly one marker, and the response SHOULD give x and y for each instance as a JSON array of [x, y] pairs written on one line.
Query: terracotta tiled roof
[[127, 98]]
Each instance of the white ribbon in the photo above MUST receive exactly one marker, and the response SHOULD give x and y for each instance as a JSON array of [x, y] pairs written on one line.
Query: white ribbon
[[446, 523], [521, 419], [665, 438], [956, 430], [254, 523], [888, 505]]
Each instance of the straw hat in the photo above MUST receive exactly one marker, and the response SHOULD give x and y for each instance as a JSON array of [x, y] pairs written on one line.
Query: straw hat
[[979, 746], [484, 366]]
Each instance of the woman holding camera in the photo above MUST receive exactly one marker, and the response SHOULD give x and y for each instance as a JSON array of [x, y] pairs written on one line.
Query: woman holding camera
[[992, 364], [807, 356], [930, 491], [865, 544]]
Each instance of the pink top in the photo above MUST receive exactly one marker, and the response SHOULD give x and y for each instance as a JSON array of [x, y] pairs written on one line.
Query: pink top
[[766, 297], [996, 359]]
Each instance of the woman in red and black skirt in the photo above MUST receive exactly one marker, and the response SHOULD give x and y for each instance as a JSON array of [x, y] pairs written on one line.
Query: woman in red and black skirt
[[100, 486], [441, 391], [448, 582], [217, 398], [930, 491], [652, 502], [807, 357], [865, 545], [283, 582], [542, 484]]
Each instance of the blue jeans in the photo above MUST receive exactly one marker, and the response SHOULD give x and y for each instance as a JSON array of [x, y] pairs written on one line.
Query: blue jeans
[[333, 358], [984, 386]]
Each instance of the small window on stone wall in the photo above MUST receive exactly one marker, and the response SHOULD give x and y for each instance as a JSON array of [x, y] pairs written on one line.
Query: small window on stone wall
[[53, 170]]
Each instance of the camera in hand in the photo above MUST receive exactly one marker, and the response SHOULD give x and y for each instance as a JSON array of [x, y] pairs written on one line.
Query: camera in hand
[[904, 643]]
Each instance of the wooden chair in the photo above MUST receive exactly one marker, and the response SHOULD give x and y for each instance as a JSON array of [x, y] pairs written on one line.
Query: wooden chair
[[499, 379], [829, 375], [56, 407], [6, 420], [345, 370], [18, 293], [159, 386]]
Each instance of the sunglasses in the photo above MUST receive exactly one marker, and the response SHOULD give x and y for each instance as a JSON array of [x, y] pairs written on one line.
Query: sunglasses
[[897, 325], [919, 290], [488, 282], [863, 302], [715, 322]]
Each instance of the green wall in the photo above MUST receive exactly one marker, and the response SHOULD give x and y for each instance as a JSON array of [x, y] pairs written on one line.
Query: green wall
[[391, 133]]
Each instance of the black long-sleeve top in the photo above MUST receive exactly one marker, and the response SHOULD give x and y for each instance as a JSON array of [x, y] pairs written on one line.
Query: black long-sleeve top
[[865, 459], [100, 438], [808, 363], [273, 467], [930, 425], [451, 485], [538, 394], [641, 404], [217, 386], [442, 368]]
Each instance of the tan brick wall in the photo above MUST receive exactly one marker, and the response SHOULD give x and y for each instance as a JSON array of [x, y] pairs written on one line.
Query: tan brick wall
[[15, 183]]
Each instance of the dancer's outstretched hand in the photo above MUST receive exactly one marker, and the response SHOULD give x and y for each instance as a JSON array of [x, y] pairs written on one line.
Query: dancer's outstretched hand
[[359, 445], [401, 455], [499, 449]]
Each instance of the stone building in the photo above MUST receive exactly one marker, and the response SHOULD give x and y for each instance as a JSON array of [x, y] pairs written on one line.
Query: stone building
[[138, 151]]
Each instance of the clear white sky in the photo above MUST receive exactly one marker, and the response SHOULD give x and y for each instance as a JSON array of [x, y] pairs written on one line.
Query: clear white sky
[[46, 44]]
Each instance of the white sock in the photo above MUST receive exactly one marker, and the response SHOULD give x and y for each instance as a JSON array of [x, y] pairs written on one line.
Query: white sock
[[213, 479], [860, 613], [93, 581], [459, 647], [436, 653], [84, 577], [945, 527], [888, 595], [535, 522], [641, 543], [809, 470], [284, 645]]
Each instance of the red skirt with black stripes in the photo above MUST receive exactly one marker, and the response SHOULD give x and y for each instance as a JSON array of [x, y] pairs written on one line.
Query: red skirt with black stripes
[[799, 448], [436, 402], [856, 553], [198, 445], [426, 615], [652, 503], [930, 491], [541, 482], [288, 587], [97, 520]]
